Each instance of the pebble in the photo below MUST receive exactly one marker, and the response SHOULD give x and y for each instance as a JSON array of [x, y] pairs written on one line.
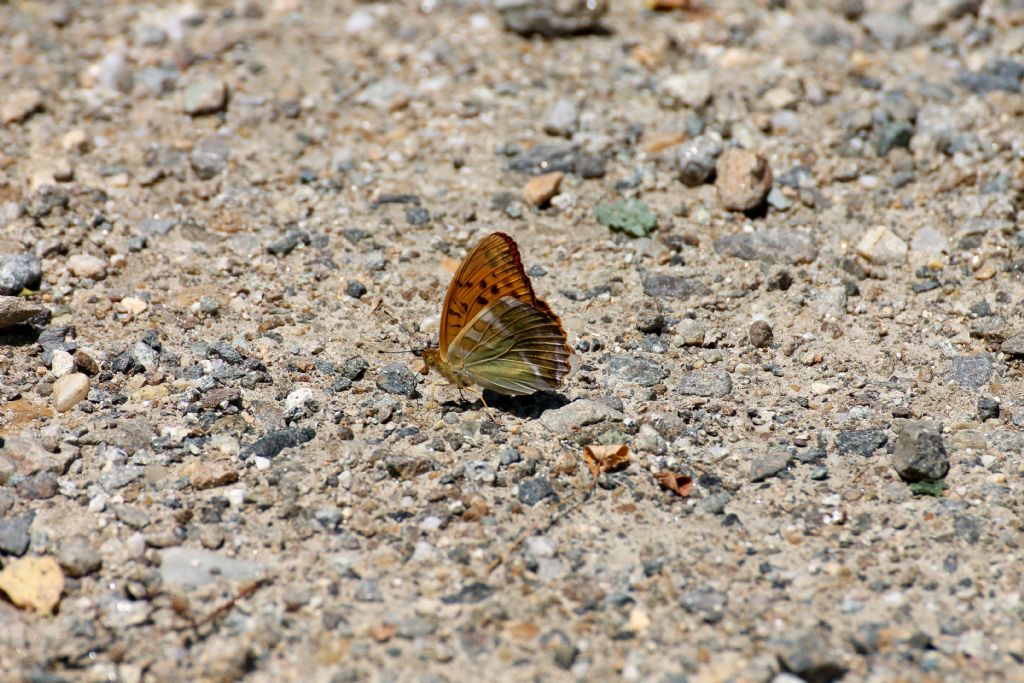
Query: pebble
[[862, 442], [998, 75], [397, 378], [21, 104], [115, 73], [667, 286], [988, 408], [562, 118], [77, 556], [276, 441], [934, 14], [551, 19], [578, 414], [134, 305], [41, 486], [770, 246], [929, 241], [209, 157], [919, 452], [707, 383], [69, 390], [767, 466], [539, 190], [971, 371], [355, 289], [15, 310], [895, 134], [629, 216], [635, 370], [210, 475], [386, 94], [882, 246], [812, 657], [691, 332], [205, 96], [368, 590], [87, 266], [1013, 346], [15, 534], [18, 272], [760, 334], [692, 89], [479, 472], [189, 567], [743, 179], [532, 491], [696, 159]]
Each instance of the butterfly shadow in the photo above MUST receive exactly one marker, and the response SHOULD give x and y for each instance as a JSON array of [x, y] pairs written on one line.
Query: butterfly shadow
[[525, 407]]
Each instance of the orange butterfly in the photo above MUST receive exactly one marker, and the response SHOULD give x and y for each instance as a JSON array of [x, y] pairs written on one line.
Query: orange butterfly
[[495, 333]]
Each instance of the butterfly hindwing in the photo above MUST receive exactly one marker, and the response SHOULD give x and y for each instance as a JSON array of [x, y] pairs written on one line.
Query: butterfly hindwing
[[512, 347], [491, 270]]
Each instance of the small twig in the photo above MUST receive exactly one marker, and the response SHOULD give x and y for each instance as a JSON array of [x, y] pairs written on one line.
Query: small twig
[[544, 525], [244, 592]]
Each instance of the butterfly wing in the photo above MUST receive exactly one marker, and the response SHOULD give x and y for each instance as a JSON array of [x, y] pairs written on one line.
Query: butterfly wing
[[491, 270], [512, 347]]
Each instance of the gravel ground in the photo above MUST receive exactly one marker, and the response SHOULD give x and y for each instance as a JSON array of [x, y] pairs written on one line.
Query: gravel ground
[[783, 237]]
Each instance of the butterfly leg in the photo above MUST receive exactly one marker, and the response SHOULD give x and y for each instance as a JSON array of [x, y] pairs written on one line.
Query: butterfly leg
[[487, 408]]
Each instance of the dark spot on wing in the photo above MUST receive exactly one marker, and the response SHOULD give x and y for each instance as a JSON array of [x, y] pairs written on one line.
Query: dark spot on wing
[[482, 300]]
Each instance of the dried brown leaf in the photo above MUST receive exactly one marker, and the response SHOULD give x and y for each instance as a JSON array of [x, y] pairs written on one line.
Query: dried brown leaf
[[602, 459], [679, 484]]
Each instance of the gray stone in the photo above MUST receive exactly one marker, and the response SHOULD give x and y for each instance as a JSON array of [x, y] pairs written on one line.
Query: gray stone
[[532, 491], [551, 18], [1013, 346], [580, 413], [25, 455], [15, 534], [934, 14], [696, 159], [368, 590], [770, 246], [385, 94], [895, 134], [892, 31], [115, 73], [634, 370], [210, 157], [760, 334], [860, 441], [971, 372], [156, 226], [692, 88], [767, 466], [397, 378], [18, 272], [189, 568], [271, 444], [16, 310], [673, 286], [119, 477], [812, 657], [205, 96], [132, 516], [415, 627], [691, 332], [707, 383], [479, 472], [919, 452], [77, 557], [562, 118]]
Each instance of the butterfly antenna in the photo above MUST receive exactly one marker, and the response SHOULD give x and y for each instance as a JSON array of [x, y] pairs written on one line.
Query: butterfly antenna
[[402, 326]]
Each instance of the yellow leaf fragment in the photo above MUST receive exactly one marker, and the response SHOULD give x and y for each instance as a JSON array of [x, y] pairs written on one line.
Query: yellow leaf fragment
[[33, 582]]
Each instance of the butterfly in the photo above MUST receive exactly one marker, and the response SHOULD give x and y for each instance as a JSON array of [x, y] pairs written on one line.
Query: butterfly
[[495, 333]]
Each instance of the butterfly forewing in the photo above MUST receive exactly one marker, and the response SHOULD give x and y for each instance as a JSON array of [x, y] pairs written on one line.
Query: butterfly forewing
[[512, 347], [491, 270]]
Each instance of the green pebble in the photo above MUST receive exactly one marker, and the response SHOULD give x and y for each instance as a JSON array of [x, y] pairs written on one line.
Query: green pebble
[[629, 216]]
